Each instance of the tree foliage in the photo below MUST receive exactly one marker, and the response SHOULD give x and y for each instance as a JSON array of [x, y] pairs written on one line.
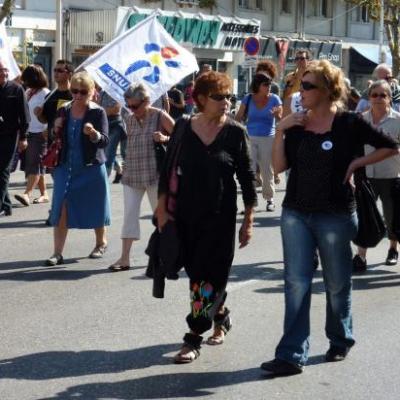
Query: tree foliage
[[6, 9], [391, 17]]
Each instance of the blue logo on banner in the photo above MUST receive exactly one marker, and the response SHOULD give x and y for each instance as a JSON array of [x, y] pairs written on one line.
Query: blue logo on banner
[[114, 76]]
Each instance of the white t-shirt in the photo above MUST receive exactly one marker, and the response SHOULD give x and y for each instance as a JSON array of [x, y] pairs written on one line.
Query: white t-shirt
[[36, 100]]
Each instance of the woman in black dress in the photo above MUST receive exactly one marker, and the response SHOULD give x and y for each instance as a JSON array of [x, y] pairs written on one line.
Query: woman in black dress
[[213, 148]]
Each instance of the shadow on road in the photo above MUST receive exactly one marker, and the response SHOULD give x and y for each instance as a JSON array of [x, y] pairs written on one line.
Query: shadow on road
[[62, 364], [33, 223], [176, 385], [37, 263], [57, 273], [372, 279], [263, 222]]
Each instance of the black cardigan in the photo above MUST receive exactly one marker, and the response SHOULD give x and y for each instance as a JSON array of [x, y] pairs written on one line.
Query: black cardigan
[[14, 110], [349, 133], [93, 152], [229, 154]]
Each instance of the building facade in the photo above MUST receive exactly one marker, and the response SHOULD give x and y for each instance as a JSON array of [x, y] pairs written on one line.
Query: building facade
[[331, 29]]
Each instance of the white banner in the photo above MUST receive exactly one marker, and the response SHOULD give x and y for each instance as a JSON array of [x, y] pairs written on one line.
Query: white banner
[[6, 55], [145, 53]]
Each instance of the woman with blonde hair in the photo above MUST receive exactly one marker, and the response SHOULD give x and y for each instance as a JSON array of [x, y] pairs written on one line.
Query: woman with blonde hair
[[321, 147], [83, 128]]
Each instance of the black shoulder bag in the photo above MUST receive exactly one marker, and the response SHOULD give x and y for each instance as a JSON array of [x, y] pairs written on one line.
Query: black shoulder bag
[[159, 148], [371, 228]]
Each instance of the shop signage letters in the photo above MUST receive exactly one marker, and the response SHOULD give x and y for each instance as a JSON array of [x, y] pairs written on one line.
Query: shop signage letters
[[202, 33], [192, 30]]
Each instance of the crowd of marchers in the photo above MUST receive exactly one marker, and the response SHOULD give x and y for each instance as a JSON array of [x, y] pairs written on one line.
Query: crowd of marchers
[[187, 152]]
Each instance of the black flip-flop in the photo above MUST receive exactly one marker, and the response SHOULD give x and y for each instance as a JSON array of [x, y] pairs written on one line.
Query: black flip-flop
[[22, 199], [118, 268]]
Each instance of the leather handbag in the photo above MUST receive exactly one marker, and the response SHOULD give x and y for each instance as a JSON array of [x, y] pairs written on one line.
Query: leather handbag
[[159, 148], [52, 157], [371, 228], [396, 207]]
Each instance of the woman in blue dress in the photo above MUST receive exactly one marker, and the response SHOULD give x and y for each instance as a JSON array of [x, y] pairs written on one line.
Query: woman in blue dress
[[81, 197]]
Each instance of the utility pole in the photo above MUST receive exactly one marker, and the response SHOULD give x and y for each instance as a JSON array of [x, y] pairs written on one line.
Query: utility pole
[[302, 18], [59, 29], [382, 55]]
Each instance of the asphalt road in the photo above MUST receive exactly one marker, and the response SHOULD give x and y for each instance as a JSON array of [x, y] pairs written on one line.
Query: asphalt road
[[77, 331]]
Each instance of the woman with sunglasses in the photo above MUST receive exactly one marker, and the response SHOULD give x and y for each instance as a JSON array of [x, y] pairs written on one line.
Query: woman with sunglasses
[[83, 127], [213, 148], [144, 126], [321, 147], [259, 111], [384, 174]]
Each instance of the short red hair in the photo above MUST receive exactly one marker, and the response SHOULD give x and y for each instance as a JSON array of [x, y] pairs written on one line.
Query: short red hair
[[210, 83]]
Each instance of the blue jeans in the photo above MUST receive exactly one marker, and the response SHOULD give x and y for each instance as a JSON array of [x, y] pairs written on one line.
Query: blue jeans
[[303, 233], [116, 134]]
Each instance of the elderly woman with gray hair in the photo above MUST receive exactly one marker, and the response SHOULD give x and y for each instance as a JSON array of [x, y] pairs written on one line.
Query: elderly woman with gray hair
[[383, 174], [145, 126]]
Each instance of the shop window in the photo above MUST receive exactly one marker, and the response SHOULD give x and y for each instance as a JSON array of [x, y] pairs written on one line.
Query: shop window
[[259, 4], [286, 7], [360, 14], [244, 4], [319, 8]]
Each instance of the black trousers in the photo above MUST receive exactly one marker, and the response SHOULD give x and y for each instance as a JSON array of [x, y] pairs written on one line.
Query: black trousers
[[209, 249], [8, 144]]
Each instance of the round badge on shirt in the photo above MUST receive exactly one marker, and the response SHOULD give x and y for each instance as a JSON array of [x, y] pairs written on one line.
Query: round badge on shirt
[[327, 145]]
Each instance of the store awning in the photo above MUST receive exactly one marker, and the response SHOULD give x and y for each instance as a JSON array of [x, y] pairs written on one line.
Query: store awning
[[371, 52]]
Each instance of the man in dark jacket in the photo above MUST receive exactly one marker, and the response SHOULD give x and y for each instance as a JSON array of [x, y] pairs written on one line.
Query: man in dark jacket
[[14, 120]]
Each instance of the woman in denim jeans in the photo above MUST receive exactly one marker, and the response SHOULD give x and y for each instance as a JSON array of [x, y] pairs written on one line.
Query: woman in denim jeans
[[321, 147]]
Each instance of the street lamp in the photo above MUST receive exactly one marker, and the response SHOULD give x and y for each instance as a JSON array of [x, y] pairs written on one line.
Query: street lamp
[[59, 24], [382, 55]]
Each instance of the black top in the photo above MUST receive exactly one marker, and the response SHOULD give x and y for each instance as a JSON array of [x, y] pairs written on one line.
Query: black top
[[14, 110], [318, 163], [177, 96], [206, 173], [52, 104]]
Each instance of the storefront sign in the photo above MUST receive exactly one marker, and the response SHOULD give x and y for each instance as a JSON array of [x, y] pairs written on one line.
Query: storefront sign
[[250, 61], [203, 33], [331, 51]]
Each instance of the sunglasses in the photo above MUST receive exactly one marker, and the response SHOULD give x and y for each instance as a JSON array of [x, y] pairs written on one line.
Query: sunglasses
[[381, 95], [59, 70], [220, 97], [133, 107], [388, 78], [83, 92], [304, 85], [300, 58]]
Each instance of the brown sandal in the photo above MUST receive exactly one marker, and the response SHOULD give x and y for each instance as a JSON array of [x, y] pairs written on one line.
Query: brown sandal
[[41, 200], [190, 349], [222, 325], [98, 251], [186, 355]]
